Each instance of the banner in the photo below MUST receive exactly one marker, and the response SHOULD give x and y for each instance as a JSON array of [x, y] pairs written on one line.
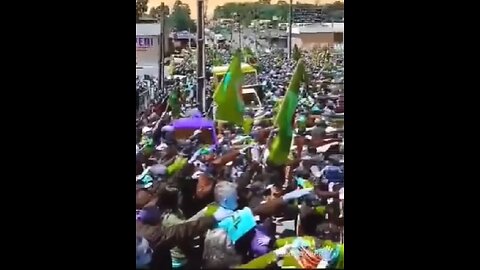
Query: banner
[[143, 43]]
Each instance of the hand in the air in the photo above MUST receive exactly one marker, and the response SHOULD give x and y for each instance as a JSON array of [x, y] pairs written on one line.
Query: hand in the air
[[263, 240], [296, 194]]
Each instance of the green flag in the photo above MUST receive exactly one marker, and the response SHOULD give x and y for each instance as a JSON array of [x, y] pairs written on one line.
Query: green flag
[[247, 125], [280, 147], [228, 95], [174, 103]]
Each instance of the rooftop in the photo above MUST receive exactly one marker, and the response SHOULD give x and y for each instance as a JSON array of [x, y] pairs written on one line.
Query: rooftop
[[147, 29], [319, 28], [147, 18]]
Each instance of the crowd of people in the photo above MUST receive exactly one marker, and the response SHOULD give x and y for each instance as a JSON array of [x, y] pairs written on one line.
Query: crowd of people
[[219, 202]]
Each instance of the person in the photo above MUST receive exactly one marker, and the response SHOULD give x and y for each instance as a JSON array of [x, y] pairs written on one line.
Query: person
[[225, 199], [318, 132], [188, 199], [220, 251], [197, 194], [172, 215], [153, 249], [332, 173]]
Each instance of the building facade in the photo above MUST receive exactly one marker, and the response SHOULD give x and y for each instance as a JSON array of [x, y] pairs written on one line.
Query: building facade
[[148, 49], [318, 35]]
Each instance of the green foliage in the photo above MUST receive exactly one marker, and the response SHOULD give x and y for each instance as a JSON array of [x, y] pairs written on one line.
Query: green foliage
[[249, 11], [180, 18], [247, 51], [142, 8], [155, 12], [263, 10]]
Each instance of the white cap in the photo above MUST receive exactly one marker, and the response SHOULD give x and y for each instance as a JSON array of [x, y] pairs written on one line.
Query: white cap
[[315, 171], [330, 129], [146, 129], [197, 174]]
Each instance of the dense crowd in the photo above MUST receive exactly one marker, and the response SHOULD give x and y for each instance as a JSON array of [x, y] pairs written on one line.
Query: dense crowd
[[207, 195]]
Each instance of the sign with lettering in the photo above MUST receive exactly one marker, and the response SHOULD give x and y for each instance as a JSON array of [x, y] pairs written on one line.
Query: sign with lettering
[[144, 42], [307, 15], [183, 35], [241, 222]]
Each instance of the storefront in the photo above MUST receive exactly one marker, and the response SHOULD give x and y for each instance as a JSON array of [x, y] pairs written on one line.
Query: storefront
[[147, 49], [318, 35]]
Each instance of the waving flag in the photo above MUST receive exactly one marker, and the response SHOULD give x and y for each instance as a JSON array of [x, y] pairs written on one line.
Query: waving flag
[[280, 147], [171, 68], [228, 95], [174, 103]]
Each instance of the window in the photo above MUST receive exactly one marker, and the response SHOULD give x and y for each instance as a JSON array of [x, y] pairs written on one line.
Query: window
[[250, 99]]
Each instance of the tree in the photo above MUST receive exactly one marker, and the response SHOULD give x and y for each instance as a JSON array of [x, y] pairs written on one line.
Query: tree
[[180, 17], [142, 8], [155, 12], [180, 5], [337, 5], [264, 10], [333, 11]]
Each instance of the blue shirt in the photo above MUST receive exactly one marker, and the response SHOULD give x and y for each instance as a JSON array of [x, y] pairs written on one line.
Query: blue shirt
[[333, 173]]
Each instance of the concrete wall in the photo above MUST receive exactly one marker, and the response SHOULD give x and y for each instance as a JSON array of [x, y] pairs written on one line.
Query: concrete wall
[[310, 40], [147, 50]]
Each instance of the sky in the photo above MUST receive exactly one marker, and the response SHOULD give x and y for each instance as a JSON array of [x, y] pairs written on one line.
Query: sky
[[211, 4]]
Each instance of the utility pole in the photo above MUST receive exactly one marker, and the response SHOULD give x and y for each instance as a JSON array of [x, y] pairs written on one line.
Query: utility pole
[[236, 17], [255, 29], [200, 56], [255, 35], [240, 35], [290, 22], [161, 46]]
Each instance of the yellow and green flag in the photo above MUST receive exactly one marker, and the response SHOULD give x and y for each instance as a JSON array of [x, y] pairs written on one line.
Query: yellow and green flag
[[171, 68], [247, 125], [176, 166], [280, 147], [228, 95]]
